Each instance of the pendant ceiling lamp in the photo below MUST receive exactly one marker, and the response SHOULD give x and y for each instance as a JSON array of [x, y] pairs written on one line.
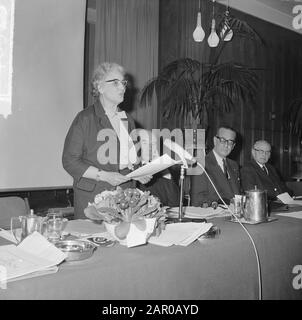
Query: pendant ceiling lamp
[[198, 34], [213, 38]]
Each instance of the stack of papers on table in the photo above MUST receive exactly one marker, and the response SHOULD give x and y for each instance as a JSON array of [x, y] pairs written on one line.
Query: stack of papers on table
[[181, 234], [7, 234], [297, 214], [198, 212], [287, 199], [34, 256]]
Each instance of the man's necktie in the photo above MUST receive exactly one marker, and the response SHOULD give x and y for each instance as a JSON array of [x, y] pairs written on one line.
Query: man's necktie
[[264, 168], [225, 170]]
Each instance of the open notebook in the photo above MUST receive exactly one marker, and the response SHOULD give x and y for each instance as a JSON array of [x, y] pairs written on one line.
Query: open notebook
[[287, 199], [34, 256], [181, 234]]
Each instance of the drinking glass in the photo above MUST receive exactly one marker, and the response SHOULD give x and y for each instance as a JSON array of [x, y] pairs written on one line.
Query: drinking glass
[[17, 228], [238, 202], [55, 224]]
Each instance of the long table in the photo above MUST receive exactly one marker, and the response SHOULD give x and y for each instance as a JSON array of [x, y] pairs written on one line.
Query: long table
[[219, 268]]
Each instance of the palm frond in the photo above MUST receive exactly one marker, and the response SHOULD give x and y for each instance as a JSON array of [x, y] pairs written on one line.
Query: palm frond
[[216, 97], [186, 86], [184, 65], [242, 28], [154, 86], [235, 81], [179, 96], [176, 85]]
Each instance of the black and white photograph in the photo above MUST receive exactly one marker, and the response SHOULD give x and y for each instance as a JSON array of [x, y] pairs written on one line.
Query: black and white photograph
[[150, 154]]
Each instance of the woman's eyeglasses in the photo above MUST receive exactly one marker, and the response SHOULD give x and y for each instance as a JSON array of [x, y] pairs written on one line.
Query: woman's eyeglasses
[[116, 82], [229, 143]]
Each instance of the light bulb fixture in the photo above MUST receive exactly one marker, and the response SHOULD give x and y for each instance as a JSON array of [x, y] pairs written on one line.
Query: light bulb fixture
[[226, 32], [213, 38], [198, 34]]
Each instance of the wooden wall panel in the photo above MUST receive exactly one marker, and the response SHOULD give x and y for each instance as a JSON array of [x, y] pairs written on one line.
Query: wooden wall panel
[[88, 63], [280, 81]]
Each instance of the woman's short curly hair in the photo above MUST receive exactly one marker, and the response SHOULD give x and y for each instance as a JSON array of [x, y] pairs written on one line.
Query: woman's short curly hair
[[99, 74]]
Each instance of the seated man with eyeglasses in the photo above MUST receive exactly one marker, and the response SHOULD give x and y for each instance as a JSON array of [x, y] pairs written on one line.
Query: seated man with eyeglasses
[[260, 173], [223, 172]]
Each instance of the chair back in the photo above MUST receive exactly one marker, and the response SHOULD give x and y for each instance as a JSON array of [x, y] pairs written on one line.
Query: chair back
[[11, 207], [295, 187], [67, 212]]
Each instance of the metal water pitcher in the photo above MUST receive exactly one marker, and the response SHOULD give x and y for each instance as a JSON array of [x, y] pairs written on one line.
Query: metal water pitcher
[[23, 226], [255, 208]]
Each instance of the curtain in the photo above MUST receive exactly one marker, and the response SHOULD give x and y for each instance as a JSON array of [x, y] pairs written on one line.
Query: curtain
[[127, 33]]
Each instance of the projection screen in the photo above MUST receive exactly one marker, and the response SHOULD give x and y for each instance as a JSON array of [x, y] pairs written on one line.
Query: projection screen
[[41, 88]]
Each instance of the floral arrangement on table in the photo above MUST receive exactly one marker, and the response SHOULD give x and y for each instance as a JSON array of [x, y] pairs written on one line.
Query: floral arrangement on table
[[121, 210]]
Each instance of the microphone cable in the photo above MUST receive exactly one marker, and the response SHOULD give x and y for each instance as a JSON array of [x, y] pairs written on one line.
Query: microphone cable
[[244, 228]]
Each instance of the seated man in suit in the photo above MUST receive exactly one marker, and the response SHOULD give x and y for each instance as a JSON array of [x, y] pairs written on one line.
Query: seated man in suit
[[260, 173], [223, 172]]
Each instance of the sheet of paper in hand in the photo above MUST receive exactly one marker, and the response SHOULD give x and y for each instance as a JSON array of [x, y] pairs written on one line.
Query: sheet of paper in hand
[[153, 167]]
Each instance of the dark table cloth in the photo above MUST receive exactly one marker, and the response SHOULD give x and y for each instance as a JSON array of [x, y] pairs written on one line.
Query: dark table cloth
[[219, 268]]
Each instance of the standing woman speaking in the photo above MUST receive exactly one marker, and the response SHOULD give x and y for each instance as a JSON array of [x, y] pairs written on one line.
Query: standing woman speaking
[[98, 150]]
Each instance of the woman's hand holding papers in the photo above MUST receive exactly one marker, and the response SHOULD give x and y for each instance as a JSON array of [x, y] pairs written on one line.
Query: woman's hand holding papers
[[114, 178], [144, 179]]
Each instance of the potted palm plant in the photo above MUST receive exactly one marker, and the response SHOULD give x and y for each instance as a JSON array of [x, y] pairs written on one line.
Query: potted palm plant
[[189, 88]]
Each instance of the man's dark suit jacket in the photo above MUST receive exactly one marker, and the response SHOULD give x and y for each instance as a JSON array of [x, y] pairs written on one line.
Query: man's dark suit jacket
[[253, 175], [202, 189], [165, 189]]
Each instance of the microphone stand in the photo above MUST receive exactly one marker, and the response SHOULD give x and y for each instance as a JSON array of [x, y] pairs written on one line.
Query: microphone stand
[[181, 196]]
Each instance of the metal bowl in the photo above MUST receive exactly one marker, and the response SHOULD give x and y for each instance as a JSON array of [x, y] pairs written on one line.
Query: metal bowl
[[76, 249]]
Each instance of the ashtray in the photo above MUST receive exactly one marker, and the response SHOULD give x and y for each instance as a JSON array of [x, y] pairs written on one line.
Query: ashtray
[[101, 241], [76, 249]]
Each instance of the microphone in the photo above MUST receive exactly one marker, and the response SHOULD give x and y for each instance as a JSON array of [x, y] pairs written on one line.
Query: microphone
[[180, 151]]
